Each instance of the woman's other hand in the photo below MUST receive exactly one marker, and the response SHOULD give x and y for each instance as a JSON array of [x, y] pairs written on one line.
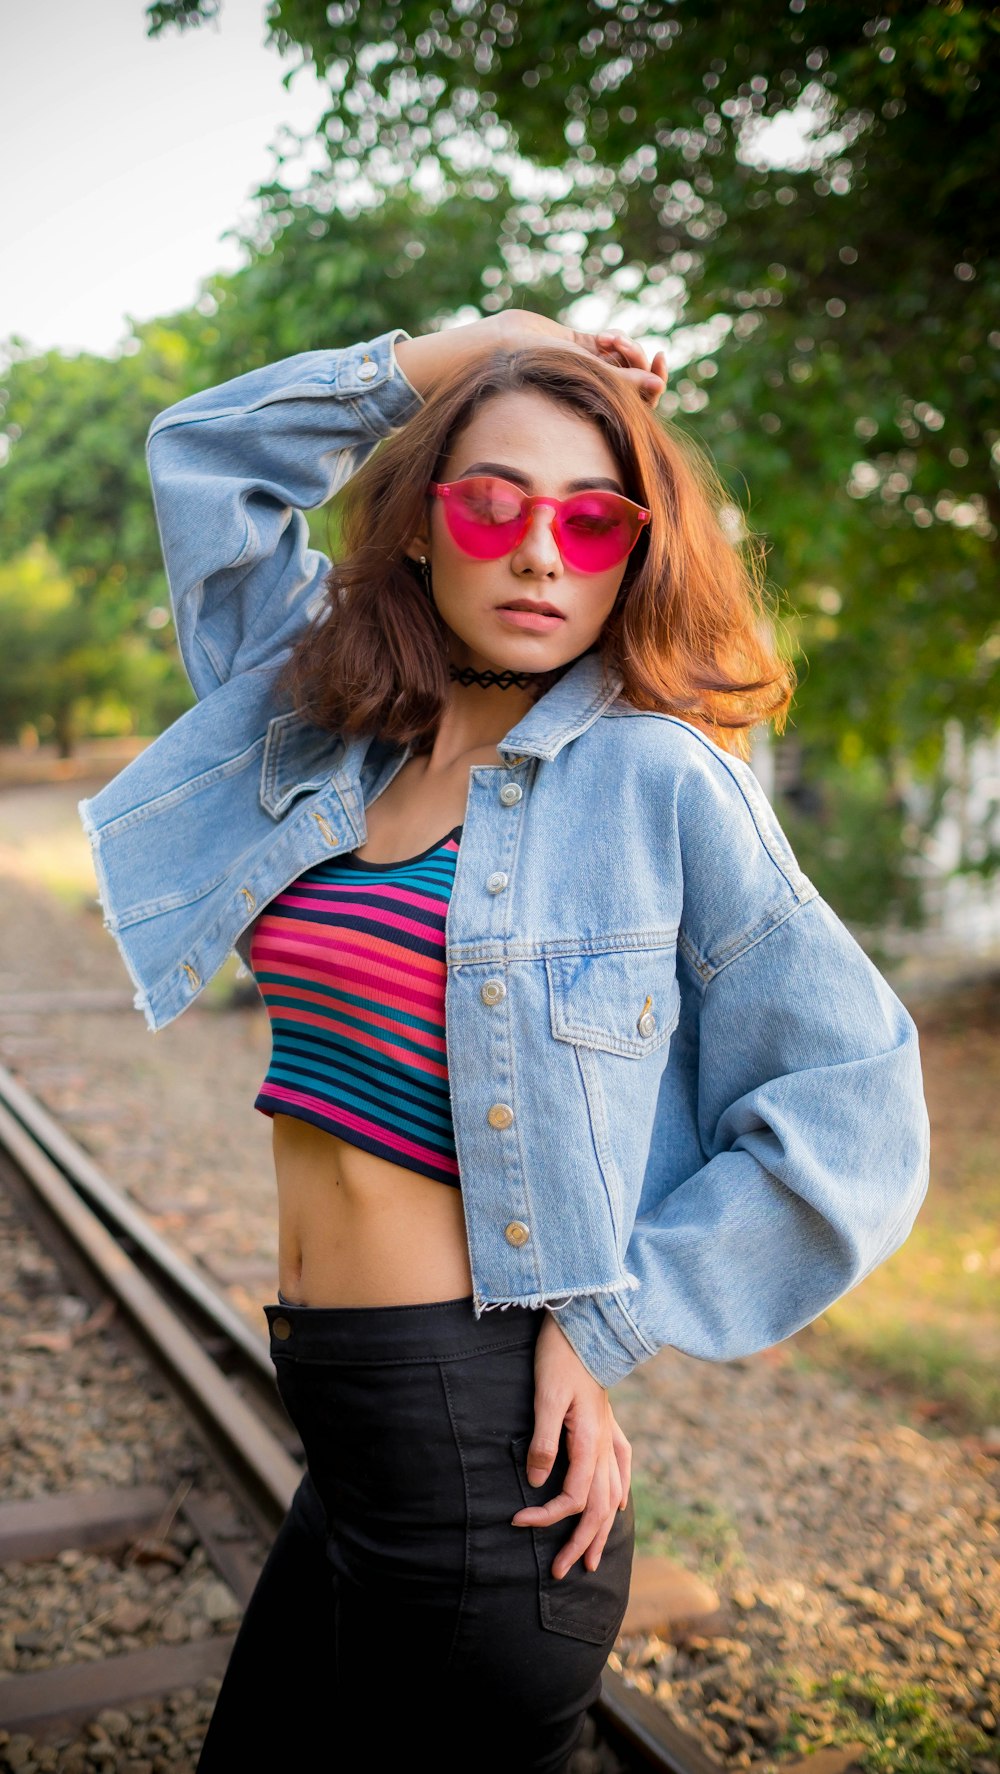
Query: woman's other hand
[[600, 1458], [425, 360]]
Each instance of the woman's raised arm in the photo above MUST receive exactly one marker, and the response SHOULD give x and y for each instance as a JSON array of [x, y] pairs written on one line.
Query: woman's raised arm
[[232, 470], [426, 359]]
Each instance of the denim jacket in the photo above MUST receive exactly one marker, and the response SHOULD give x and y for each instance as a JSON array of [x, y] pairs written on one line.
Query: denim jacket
[[687, 1108]]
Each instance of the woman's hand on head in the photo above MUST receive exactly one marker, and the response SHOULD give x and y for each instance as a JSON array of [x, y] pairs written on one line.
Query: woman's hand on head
[[426, 359], [600, 1458], [518, 328]]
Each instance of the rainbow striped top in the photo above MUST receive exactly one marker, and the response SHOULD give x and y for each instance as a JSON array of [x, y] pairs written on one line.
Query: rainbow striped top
[[350, 962]]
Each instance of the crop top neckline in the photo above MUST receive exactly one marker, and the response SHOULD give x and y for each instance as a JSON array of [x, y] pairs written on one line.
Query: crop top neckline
[[357, 862]]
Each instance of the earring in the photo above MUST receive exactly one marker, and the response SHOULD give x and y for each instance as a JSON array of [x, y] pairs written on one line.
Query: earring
[[425, 573]]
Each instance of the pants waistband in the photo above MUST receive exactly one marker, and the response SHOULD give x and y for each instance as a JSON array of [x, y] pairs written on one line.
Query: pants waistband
[[439, 1331]]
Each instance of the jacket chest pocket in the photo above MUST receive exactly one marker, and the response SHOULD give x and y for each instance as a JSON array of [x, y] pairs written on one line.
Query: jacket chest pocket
[[625, 1002]]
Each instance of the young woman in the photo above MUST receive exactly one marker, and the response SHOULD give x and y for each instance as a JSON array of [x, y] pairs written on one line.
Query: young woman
[[570, 1060]]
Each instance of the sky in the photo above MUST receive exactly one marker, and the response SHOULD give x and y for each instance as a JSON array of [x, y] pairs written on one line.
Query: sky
[[125, 157]]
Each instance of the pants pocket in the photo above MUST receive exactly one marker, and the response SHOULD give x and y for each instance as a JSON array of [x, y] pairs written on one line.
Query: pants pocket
[[584, 1604]]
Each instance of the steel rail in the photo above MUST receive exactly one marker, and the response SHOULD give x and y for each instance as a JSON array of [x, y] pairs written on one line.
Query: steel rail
[[267, 1472], [116, 1211]]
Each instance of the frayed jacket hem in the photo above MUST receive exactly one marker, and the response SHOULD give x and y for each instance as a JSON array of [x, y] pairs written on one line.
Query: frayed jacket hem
[[555, 1302]]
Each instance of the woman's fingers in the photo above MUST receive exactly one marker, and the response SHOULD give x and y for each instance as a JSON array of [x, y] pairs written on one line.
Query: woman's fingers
[[575, 1492], [590, 1535], [588, 1538], [544, 1445], [621, 352], [627, 350], [597, 1505], [623, 1455], [629, 356]]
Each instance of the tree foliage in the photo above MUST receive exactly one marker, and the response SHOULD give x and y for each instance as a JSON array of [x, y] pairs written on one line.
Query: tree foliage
[[84, 634], [839, 299]]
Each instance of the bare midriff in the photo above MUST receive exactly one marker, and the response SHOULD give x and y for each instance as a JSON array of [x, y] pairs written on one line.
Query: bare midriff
[[358, 1230], [355, 1229]]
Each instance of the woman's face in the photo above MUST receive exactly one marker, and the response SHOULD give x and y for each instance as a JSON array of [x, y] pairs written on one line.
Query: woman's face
[[541, 447]]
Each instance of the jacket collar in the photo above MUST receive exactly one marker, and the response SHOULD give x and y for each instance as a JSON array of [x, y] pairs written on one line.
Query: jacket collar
[[572, 705], [299, 757]]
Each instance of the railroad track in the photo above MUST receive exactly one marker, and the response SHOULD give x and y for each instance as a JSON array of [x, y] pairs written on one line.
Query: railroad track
[[230, 1503]]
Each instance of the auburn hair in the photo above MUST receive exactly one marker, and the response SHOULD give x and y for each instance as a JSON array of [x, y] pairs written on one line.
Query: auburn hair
[[689, 632]]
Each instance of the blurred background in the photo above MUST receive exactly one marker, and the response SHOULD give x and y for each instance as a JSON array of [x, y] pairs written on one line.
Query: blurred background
[[798, 204]]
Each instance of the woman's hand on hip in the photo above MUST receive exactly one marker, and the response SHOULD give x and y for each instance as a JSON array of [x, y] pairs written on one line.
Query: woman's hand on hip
[[600, 1458], [425, 360]]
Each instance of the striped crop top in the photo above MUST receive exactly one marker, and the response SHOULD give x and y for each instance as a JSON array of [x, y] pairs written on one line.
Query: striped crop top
[[350, 962]]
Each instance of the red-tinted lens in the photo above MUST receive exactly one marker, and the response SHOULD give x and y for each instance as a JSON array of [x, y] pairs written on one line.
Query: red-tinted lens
[[484, 516], [596, 530]]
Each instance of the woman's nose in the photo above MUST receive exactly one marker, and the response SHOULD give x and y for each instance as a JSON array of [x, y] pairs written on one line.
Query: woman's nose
[[538, 547]]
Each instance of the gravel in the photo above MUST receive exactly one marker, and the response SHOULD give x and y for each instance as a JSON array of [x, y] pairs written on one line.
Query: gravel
[[79, 1412]]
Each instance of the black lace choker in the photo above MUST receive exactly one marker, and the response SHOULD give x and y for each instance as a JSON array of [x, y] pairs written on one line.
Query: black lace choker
[[503, 680]]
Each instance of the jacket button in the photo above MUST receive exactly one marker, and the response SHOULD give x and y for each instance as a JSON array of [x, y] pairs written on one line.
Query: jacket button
[[367, 370], [511, 793], [496, 883], [492, 991], [500, 1115], [324, 826], [281, 1328], [647, 1024], [517, 1233]]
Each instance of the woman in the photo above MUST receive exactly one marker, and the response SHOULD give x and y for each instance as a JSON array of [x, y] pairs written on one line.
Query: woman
[[671, 1101]]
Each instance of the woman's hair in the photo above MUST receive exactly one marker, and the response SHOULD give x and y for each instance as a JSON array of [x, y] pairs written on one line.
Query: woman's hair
[[689, 632]]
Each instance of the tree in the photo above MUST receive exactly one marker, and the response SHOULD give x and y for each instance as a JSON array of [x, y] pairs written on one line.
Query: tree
[[61, 670], [845, 363], [84, 614]]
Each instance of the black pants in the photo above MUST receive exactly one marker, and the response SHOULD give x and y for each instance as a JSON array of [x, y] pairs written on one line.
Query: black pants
[[399, 1616]]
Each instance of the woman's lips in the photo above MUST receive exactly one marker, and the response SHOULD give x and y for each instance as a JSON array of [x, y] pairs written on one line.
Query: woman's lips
[[537, 619]]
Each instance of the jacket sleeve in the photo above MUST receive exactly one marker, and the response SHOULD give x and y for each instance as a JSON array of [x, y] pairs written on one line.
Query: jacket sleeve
[[232, 470], [810, 1117]]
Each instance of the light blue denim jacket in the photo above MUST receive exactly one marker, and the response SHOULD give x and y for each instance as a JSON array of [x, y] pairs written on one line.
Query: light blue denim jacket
[[670, 1063]]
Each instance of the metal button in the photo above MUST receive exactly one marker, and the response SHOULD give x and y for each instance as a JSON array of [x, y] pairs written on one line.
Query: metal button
[[517, 1233], [500, 1115], [325, 828], [510, 793], [281, 1328], [367, 370], [496, 883], [647, 1023], [492, 990]]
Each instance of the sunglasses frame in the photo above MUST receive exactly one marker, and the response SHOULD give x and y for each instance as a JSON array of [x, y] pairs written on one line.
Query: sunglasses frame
[[638, 514]]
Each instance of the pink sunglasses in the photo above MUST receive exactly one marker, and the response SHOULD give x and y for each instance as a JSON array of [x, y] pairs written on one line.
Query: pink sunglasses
[[488, 517]]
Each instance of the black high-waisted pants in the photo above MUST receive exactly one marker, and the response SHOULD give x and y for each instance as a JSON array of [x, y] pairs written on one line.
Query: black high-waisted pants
[[398, 1609]]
